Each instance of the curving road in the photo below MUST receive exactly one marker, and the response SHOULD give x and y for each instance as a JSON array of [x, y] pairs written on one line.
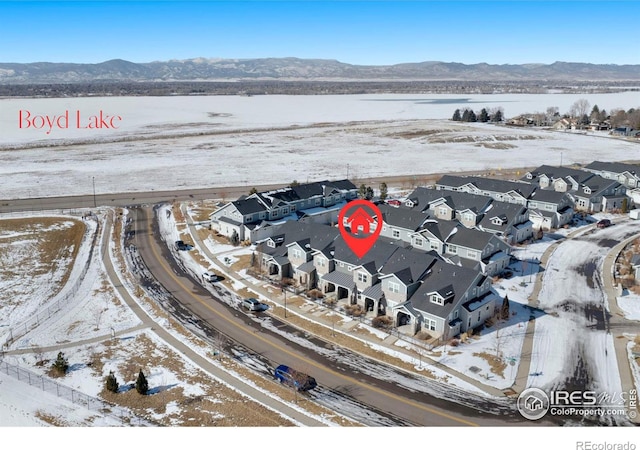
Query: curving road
[[339, 382]]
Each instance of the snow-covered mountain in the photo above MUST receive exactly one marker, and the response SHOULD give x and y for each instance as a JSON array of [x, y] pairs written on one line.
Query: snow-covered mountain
[[306, 69]]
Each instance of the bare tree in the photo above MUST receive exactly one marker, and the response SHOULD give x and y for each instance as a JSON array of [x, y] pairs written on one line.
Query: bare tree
[[579, 108]]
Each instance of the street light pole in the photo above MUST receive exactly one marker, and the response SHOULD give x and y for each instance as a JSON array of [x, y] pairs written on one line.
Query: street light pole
[[94, 192]]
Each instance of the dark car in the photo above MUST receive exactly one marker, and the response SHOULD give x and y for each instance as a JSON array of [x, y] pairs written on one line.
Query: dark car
[[604, 223], [180, 245], [291, 377]]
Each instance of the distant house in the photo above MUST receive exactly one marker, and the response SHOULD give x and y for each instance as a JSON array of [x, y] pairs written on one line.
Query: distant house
[[599, 194], [449, 205]]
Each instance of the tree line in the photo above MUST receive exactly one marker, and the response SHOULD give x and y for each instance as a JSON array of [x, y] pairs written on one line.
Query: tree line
[[581, 113]]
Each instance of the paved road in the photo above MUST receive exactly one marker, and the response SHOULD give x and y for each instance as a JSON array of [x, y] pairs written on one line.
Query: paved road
[[383, 395]]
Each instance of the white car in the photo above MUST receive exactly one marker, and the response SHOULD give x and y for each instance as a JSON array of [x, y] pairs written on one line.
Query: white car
[[254, 305], [209, 276]]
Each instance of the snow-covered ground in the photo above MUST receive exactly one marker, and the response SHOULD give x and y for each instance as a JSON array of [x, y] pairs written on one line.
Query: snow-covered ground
[[197, 142], [308, 148]]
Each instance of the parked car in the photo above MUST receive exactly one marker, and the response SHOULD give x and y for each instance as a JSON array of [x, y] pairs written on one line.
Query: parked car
[[254, 305], [209, 276], [291, 377], [604, 223], [180, 245]]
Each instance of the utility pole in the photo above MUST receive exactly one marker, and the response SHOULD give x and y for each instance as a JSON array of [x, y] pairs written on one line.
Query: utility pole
[[94, 192]]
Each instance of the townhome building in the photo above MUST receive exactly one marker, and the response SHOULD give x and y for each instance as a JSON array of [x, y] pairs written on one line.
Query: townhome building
[[550, 209], [599, 194], [251, 216], [626, 174], [449, 205], [450, 300], [501, 190], [560, 179], [509, 221]]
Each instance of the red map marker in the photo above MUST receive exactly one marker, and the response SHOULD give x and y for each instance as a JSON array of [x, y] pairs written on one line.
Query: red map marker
[[354, 222]]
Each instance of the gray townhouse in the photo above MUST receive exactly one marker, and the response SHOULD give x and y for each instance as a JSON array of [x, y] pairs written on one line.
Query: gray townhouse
[[626, 174], [590, 191], [400, 223], [449, 205], [509, 221], [291, 251], [480, 250], [599, 194], [251, 216], [550, 209], [561, 179], [500, 190], [450, 300]]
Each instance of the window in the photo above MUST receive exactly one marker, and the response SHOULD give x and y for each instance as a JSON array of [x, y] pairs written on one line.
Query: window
[[296, 253], [435, 298], [362, 277], [350, 268], [418, 242], [434, 245], [443, 211], [472, 254], [455, 314], [322, 262], [262, 215], [394, 287], [452, 249], [467, 217], [432, 325], [395, 233]]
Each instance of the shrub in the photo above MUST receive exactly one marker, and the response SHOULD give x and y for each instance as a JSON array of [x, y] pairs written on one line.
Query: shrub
[[60, 365], [454, 342], [383, 322], [112, 383]]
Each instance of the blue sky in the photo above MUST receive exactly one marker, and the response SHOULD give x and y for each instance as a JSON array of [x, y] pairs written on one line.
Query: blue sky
[[359, 32]]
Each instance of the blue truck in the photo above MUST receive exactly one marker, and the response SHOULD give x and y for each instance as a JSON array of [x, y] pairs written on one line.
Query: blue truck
[[291, 377]]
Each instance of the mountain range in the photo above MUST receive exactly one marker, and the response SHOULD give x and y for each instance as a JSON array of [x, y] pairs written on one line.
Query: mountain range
[[204, 69]]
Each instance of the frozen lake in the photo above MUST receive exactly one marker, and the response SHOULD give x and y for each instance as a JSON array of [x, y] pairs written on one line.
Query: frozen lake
[[164, 143]]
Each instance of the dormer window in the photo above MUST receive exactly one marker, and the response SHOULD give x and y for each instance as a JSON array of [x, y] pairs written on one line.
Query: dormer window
[[587, 190], [435, 298]]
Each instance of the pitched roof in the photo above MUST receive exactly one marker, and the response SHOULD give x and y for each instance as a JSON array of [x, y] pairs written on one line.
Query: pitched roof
[[317, 236], [459, 201], [554, 173], [403, 217], [548, 196], [249, 205], [444, 278], [614, 167], [488, 184], [470, 238], [409, 265]]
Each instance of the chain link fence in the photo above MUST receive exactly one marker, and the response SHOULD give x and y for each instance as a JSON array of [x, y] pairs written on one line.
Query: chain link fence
[[121, 416], [34, 321]]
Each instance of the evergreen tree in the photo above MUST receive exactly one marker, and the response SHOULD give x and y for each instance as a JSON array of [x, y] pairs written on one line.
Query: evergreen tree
[[112, 383], [61, 365], [253, 259], [472, 116], [456, 116], [234, 239], [465, 115], [362, 191], [253, 191], [369, 193], [484, 115], [624, 208], [294, 183], [142, 386], [504, 309], [497, 117], [384, 191]]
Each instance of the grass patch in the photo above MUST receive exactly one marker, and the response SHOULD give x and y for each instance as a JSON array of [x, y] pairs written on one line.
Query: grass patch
[[496, 363]]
